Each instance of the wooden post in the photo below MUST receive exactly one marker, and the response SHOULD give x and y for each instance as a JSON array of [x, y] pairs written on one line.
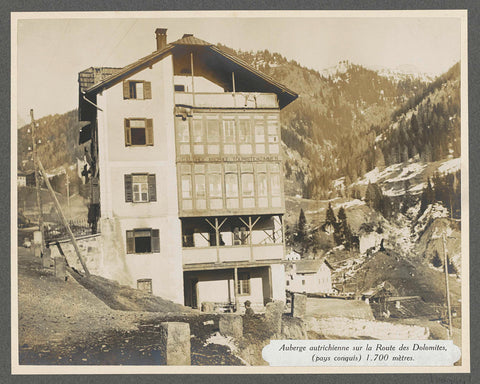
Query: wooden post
[[64, 220], [235, 284], [193, 81], [217, 239], [37, 182], [250, 230], [447, 287], [233, 89], [67, 181]]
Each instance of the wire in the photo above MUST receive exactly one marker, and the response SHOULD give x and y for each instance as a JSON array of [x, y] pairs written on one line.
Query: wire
[[116, 45]]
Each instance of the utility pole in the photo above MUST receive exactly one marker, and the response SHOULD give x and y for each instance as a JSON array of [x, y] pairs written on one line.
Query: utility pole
[[67, 182], [447, 287], [37, 180], [63, 219]]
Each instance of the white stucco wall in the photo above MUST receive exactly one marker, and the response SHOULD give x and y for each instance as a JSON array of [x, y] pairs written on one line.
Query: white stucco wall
[[278, 282], [319, 282], [116, 160]]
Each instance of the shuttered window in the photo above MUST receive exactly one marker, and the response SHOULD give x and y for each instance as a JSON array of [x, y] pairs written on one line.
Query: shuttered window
[[137, 89], [138, 131], [140, 188], [145, 240]]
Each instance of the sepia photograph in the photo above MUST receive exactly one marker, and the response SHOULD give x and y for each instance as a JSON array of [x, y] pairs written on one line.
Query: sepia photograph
[[192, 186]]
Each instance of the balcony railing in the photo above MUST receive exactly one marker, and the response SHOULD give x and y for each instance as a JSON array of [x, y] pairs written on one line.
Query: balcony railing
[[229, 254], [227, 100]]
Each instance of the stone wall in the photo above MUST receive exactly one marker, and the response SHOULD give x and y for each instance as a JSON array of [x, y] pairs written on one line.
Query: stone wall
[[340, 327]]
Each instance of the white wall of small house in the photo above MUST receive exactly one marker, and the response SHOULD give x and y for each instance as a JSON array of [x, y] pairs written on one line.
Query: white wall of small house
[[278, 282], [319, 282], [115, 160], [218, 286]]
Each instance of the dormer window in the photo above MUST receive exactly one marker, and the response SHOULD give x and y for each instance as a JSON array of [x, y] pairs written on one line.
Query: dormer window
[[137, 89]]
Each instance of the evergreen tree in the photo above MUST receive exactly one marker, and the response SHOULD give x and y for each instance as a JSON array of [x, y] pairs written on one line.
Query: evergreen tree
[[330, 215], [427, 198], [343, 234], [301, 227], [436, 260]]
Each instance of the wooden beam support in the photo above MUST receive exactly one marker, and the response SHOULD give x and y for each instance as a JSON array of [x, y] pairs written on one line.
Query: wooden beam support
[[217, 239], [63, 219]]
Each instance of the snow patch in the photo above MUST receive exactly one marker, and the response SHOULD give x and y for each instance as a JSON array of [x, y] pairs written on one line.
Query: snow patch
[[348, 204], [450, 166]]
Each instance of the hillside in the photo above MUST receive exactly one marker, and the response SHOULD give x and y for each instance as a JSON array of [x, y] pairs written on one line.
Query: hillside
[[330, 129]]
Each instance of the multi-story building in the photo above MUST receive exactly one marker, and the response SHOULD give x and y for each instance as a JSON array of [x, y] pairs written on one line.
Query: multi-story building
[[186, 173]]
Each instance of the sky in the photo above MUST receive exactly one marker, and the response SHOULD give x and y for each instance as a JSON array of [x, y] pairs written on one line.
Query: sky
[[51, 51]]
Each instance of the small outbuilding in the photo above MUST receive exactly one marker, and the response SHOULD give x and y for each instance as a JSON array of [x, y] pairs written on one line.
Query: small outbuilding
[[309, 276]]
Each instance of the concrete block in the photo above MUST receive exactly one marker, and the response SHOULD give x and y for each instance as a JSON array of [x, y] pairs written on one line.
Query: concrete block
[[231, 325], [60, 267], [46, 261], [208, 307], [299, 305], [175, 343], [273, 316]]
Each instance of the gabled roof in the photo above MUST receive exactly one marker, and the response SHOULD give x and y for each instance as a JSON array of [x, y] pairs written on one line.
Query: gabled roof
[[189, 39], [310, 266], [216, 59]]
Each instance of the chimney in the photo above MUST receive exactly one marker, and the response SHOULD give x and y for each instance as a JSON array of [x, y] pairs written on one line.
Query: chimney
[[161, 34]]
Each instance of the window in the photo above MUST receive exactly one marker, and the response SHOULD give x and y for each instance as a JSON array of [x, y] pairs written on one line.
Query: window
[[262, 188], [140, 188], [138, 132], [229, 146], [213, 135], [179, 88], [273, 140], [259, 137], [144, 240], [186, 187], [198, 137], [137, 89], [200, 187], [244, 131], [303, 282], [245, 137], [243, 283], [231, 186], [288, 283], [183, 135]]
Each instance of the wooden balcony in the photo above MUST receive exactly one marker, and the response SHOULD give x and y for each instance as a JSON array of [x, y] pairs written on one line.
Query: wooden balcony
[[227, 100], [216, 257]]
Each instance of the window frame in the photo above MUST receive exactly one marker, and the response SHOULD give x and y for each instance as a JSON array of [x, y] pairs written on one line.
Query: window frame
[[148, 129], [129, 95], [131, 246], [151, 188], [244, 287]]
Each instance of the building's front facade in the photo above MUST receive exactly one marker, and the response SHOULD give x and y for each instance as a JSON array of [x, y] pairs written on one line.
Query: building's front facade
[[309, 276], [187, 173]]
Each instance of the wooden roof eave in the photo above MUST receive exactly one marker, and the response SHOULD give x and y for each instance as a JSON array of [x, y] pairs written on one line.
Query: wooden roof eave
[[156, 56], [130, 70], [293, 95]]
